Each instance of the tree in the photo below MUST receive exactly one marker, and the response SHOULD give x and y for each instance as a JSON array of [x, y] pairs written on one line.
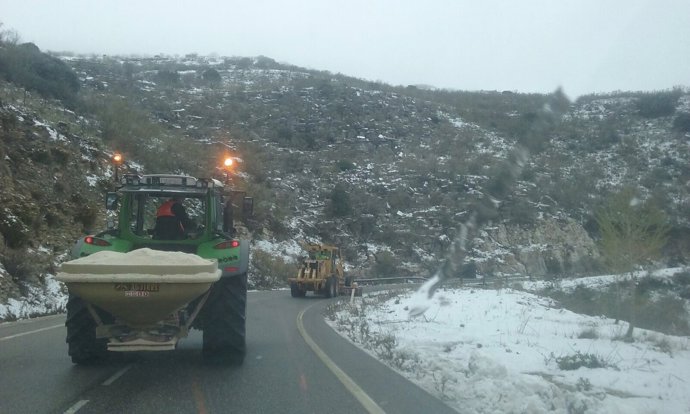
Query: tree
[[212, 77], [340, 205], [632, 234]]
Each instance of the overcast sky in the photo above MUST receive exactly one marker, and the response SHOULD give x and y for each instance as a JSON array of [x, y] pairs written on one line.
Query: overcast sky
[[528, 46]]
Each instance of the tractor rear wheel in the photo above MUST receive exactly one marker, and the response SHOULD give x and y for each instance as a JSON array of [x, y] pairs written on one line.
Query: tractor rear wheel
[[224, 321], [82, 344]]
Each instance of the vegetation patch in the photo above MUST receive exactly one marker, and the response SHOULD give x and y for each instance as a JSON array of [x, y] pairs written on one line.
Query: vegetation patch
[[268, 271], [580, 360], [654, 302]]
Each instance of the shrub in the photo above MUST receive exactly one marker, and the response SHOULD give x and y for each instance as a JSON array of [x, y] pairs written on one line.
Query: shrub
[[589, 333], [13, 229], [386, 265], [682, 122], [268, 271], [27, 66], [20, 265], [578, 360], [86, 215], [658, 104], [345, 165], [340, 205]]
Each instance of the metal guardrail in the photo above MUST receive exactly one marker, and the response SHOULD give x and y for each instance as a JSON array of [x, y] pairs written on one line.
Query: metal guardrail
[[485, 281], [384, 280]]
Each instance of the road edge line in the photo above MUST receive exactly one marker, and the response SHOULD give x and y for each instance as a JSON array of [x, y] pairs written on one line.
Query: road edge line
[[367, 402], [5, 338]]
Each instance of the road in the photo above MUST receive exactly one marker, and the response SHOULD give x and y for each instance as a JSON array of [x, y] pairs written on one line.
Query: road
[[287, 370]]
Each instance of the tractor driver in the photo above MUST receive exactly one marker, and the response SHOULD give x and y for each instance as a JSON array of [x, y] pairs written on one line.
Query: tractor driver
[[172, 221]]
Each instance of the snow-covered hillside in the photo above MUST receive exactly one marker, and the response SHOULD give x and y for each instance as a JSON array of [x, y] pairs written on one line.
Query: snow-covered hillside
[[511, 351]]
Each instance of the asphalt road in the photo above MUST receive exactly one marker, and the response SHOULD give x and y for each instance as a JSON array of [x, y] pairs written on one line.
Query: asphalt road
[[295, 364]]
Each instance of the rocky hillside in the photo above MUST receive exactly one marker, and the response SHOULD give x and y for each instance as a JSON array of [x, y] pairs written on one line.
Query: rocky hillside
[[387, 172]]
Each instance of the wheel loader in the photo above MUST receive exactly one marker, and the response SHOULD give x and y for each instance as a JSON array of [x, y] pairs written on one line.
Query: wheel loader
[[322, 272], [131, 289]]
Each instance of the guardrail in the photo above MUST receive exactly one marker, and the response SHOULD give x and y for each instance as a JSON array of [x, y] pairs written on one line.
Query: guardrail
[[384, 280]]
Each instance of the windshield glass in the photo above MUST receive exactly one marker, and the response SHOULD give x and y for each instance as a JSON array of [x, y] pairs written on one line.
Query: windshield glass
[[146, 210]]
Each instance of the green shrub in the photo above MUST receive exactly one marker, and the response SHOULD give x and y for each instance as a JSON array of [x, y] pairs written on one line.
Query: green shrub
[[579, 360], [345, 165], [386, 265], [20, 265], [340, 205], [13, 229], [658, 104], [27, 66], [682, 122], [268, 271]]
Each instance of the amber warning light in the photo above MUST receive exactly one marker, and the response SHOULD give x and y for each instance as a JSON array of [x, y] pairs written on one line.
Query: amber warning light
[[228, 162], [117, 158]]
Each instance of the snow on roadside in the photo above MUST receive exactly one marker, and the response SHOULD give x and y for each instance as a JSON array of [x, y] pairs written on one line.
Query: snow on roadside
[[487, 351], [50, 298]]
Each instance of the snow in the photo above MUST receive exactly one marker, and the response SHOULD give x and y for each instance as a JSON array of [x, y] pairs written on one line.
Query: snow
[[498, 351], [486, 350], [92, 179], [289, 250], [51, 298]]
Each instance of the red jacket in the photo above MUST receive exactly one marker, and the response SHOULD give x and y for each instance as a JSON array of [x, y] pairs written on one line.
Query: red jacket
[[165, 210]]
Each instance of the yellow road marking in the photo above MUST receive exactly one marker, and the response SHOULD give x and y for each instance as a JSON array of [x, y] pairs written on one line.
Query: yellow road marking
[[198, 397], [367, 402]]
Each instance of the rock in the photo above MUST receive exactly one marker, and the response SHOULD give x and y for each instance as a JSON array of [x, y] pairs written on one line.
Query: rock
[[550, 248]]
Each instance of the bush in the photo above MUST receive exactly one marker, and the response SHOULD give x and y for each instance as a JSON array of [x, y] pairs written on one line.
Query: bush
[[13, 229], [20, 265], [345, 165], [681, 122], [27, 66], [386, 265], [654, 303], [268, 271], [578, 360], [86, 215], [340, 205], [658, 104]]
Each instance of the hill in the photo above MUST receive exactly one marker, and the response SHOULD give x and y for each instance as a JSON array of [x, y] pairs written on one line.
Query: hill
[[387, 172]]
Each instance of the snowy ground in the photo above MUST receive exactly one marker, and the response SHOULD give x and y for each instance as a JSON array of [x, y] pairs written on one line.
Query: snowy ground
[[51, 298], [499, 351]]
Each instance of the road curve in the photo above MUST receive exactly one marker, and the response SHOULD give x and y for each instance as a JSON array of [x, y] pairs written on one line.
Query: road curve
[[281, 374]]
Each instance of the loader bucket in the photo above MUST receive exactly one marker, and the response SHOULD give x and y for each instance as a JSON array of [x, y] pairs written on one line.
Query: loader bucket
[[142, 287]]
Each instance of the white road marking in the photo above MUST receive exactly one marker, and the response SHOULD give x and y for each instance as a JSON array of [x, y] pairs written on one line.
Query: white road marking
[[5, 338], [117, 375], [367, 402], [73, 409]]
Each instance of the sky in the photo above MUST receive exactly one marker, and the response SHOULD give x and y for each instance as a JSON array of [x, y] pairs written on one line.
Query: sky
[[583, 46]]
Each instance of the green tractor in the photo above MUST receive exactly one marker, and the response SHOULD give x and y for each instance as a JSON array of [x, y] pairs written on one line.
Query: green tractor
[[135, 287]]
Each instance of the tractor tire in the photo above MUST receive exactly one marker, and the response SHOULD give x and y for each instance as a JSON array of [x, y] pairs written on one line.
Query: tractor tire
[[82, 345], [224, 321], [331, 289], [296, 292]]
